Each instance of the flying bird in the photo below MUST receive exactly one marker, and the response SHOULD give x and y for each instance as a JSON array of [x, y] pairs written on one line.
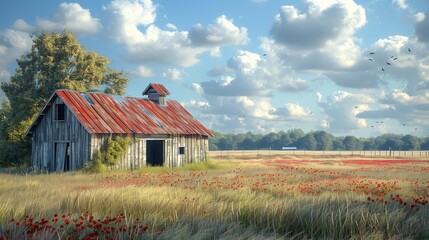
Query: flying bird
[[264, 54], [395, 59], [403, 124], [370, 59], [382, 69], [409, 50], [388, 63], [371, 53]]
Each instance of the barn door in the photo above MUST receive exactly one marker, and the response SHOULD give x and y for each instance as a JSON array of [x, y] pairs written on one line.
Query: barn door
[[62, 157], [44, 156], [155, 152]]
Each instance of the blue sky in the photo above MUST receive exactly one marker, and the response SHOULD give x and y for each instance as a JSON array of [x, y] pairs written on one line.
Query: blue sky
[[255, 65]]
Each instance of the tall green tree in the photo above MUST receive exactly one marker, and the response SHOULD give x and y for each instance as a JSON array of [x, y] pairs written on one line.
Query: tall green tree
[[285, 140], [410, 142], [308, 142], [337, 144], [352, 143], [270, 141], [295, 134], [324, 140], [370, 144], [55, 61], [425, 144]]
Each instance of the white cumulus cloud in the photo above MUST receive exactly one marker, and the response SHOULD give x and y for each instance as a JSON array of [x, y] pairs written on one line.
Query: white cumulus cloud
[[142, 71], [402, 4], [318, 38], [73, 17], [201, 105], [133, 24], [406, 108], [319, 24], [13, 43], [221, 32], [23, 26], [251, 75], [293, 111], [341, 110], [197, 88], [422, 26], [173, 74]]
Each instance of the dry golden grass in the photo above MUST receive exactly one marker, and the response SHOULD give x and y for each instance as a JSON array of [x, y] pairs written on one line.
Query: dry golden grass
[[247, 199]]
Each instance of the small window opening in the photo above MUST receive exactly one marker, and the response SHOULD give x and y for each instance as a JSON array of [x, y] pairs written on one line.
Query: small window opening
[[60, 112], [181, 150]]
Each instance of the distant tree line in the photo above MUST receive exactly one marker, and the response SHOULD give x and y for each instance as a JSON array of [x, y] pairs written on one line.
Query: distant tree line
[[315, 140]]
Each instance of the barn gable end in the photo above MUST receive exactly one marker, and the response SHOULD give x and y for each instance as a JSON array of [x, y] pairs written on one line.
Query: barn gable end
[[60, 142]]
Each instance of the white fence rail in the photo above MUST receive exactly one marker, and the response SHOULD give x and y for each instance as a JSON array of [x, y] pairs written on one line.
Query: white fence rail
[[247, 154]]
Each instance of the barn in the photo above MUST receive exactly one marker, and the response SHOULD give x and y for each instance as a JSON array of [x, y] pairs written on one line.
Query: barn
[[73, 126]]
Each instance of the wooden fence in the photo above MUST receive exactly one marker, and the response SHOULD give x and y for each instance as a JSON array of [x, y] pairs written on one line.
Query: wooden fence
[[276, 154]]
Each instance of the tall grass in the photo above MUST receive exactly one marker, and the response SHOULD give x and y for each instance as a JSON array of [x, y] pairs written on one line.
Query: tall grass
[[233, 200]]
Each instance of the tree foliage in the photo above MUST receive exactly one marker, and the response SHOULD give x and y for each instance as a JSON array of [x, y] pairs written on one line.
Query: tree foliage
[[96, 165], [308, 142], [352, 143], [55, 61], [115, 148], [315, 140], [109, 155]]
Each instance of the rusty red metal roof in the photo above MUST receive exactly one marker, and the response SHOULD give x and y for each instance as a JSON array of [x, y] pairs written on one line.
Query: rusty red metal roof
[[159, 88], [105, 113]]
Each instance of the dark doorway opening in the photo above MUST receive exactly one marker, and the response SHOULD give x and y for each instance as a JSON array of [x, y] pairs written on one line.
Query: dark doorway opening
[[67, 160], [61, 161], [155, 152]]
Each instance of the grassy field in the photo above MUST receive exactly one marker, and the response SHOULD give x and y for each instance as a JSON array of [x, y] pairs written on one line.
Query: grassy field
[[224, 199]]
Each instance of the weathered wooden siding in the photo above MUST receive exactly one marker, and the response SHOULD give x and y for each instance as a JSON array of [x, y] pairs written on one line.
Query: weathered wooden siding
[[196, 149], [134, 158], [50, 131]]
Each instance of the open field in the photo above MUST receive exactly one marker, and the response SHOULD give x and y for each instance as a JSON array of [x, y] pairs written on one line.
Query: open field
[[303, 154], [277, 198]]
